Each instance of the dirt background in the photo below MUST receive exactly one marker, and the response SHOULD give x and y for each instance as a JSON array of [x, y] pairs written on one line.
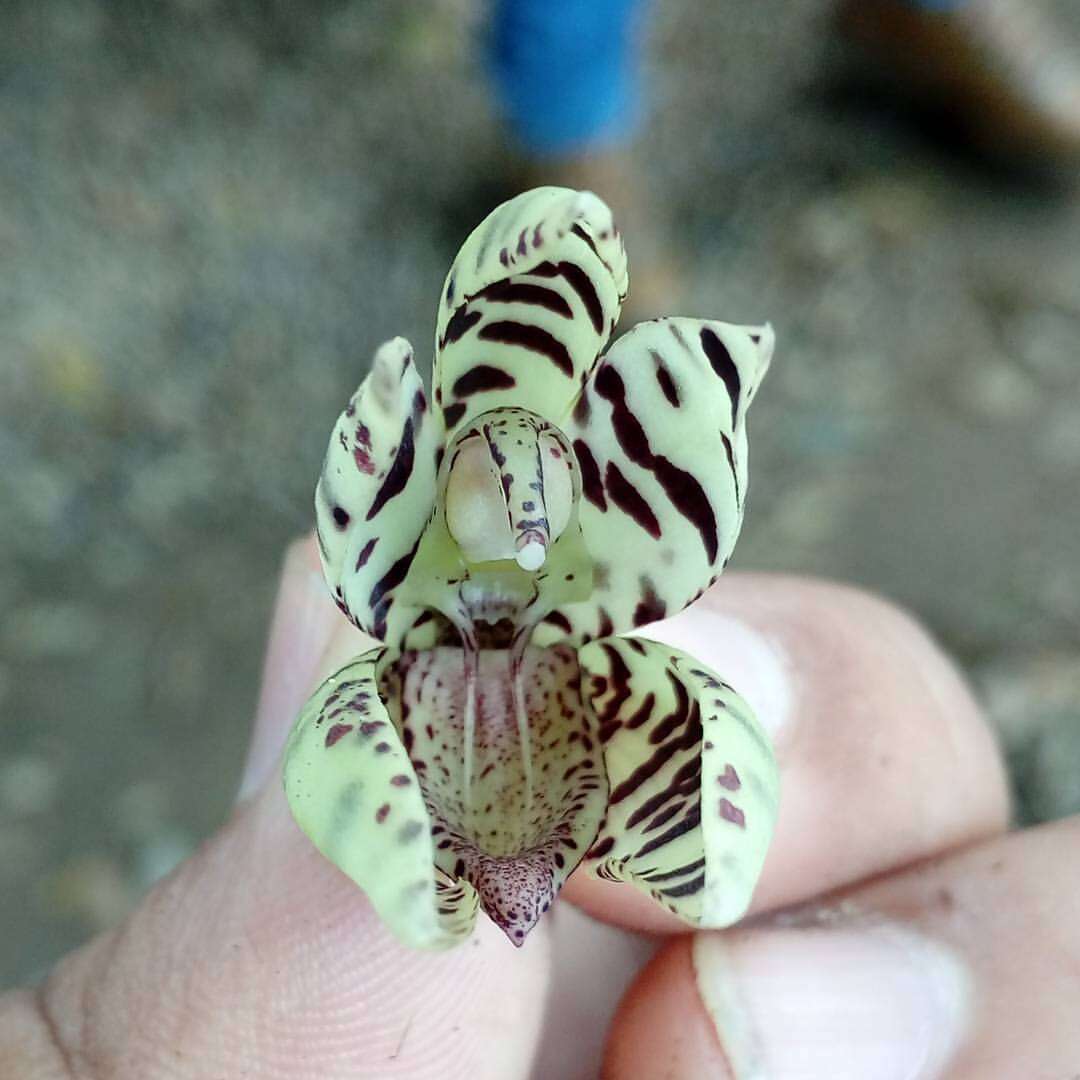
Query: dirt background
[[210, 215]]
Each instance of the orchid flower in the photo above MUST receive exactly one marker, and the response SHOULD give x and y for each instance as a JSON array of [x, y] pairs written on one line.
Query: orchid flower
[[496, 543]]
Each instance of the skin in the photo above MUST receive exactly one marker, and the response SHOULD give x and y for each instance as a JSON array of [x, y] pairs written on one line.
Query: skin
[[257, 958]]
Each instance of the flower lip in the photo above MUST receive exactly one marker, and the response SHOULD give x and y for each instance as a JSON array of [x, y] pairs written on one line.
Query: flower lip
[[515, 847]]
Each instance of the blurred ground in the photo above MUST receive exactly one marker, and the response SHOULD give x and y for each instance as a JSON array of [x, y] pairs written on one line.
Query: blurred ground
[[210, 214]]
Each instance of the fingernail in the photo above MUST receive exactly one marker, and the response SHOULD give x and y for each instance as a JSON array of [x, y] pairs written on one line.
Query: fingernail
[[753, 663], [831, 1003], [303, 622]]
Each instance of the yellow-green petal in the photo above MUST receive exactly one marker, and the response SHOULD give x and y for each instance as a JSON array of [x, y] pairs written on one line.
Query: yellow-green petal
[[659, 432], [377, 491], [353, 790], [693, 782]]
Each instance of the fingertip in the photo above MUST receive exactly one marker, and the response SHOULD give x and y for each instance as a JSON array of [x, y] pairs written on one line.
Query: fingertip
[[662, 1030], [620, 904], [304, 551]]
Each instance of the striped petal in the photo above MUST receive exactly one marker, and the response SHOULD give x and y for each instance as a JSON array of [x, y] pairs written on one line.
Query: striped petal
[[510, 769], [693, 783], [377, 491], [528, 305], [660, 436], [353, 790]]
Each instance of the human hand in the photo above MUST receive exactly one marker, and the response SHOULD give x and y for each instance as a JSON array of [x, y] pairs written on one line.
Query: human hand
[[944, 948]]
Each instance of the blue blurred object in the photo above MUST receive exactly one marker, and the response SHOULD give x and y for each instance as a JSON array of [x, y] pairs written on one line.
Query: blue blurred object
[[937, 5], [568, 75]]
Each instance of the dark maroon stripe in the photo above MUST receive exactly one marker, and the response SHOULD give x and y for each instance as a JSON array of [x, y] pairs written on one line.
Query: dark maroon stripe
[[643, 712], [461, 322], [645, 771], [620, 682], [628, 430], [730, 451], [602, 848], [649, 806], [392, 578], [557, 618], [673, 720], [582, 407], [663, 753], [365, 552], [689, 498], [685, 493], [509, 291], [583, 286], [578, 231], [688, 888], [663, 377], [663, 817], [685, 782], [608, 730], [532, 338], [691, 821], [592, 486], [687, 778], [667, 875], [650, 608], [481, 378], [724, 366], [545, 269], [399, 473], [453, 413], [627, 498]]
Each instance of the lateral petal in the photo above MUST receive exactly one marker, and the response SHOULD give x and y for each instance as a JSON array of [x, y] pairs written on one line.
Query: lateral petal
[[353, 790], [693, 783]]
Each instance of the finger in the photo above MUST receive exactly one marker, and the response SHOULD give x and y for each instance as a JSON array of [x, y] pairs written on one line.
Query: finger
[[595, 965], [259, 958], [303, 622], [963, 968], [884, 755]]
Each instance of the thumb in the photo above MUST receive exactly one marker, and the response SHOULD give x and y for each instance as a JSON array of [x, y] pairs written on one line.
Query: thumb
[[258, 958]]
